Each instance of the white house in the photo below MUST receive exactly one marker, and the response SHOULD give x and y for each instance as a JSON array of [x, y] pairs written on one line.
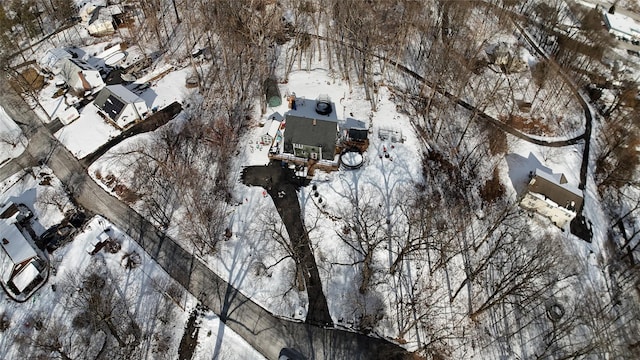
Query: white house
[[20, 266], [53, 59], [121, 105], [622, 26], [80, 76]]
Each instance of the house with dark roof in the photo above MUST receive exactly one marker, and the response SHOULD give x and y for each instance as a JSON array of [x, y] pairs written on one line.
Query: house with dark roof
[[21, 268], [120, 105], [80, 76], [552, 196], [311, 129]]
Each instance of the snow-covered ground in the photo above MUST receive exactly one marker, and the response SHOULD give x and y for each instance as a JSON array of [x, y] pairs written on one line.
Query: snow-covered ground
[[217, 341], [12, 141], [148, 289], [381, 180], [41, 192], [87, 133], [250, 259], [91, 130]]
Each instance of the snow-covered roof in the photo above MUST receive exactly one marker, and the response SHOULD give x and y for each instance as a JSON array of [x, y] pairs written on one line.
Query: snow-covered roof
[[622, 24], [306, 108], [114, 100], [25, 277], [351, 123], [15, 248], [273, 128], [124, 94], [559, 180], [14, 243], [51, 61]]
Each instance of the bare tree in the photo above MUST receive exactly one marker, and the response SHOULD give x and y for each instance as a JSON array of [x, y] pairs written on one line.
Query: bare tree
[[99, 306]]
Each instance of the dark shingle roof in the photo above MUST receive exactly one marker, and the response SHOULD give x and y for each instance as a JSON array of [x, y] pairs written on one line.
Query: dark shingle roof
[[109, 103], [311, 132]]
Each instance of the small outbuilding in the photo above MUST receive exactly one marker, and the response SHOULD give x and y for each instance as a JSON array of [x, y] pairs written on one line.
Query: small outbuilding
[[273, 133], [272, 93], [120, 105]]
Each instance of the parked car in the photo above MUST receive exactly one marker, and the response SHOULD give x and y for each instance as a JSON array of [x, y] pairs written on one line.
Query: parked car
[[291, 354]]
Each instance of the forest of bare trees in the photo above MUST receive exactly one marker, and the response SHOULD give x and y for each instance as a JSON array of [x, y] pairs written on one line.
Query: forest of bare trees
[[457, 249]]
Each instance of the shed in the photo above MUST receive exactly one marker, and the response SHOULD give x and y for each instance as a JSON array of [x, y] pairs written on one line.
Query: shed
[[121, 105], [272, 133], [68, 115], [272, 92]]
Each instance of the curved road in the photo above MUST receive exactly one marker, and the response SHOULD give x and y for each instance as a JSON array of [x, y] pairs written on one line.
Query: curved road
[[265, 332]]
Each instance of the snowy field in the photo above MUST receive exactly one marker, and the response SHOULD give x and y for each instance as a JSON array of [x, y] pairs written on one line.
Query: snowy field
[[87, 133], [159, 305], [151, 294], [251, 261], [12, 142]]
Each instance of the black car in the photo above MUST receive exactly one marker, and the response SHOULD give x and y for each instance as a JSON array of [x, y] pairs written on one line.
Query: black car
[[290, 354]]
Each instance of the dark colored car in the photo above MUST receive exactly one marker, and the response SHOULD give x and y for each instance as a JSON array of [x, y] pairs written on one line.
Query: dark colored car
[[290, 354]]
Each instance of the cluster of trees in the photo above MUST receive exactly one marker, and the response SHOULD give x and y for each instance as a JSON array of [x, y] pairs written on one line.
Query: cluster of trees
[[105, 321], [178, 184], [22, 21], [502, 275]]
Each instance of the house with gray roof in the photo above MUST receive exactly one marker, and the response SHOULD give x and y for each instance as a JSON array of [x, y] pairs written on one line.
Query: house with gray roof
[[311, 129], [80, 76]]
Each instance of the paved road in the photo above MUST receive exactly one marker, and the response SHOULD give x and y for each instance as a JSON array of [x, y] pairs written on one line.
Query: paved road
[[586, 136], [265, 332]]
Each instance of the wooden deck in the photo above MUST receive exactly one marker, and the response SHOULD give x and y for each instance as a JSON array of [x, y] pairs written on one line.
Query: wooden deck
[[310, 164]]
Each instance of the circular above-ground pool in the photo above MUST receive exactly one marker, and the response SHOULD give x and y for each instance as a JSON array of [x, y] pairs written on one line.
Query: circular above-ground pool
[[352, 159], [114, 59]]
